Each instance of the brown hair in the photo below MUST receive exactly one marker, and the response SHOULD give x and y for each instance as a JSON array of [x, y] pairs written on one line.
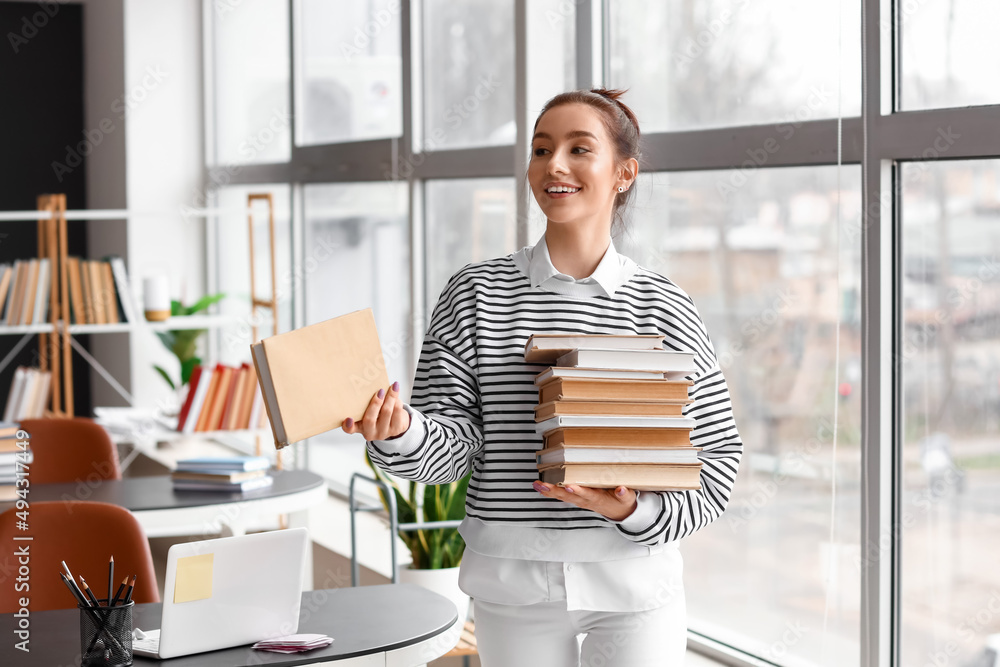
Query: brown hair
[[620, 123]]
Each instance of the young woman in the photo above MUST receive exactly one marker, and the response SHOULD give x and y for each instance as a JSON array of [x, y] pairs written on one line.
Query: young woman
[[545, 563]]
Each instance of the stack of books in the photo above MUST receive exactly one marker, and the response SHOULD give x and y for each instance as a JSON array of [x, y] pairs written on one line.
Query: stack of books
[[13, 458], [25, 291], [28, 395], [228, 474], [610, 411], [224, 398]]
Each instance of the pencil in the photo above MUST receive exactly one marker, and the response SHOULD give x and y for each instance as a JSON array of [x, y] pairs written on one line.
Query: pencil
[[111, 577], [121, 589], [128, 595], [71, 585], [90, 594]]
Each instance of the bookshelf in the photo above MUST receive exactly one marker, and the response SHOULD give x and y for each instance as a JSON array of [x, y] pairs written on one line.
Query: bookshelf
[[55, 335]]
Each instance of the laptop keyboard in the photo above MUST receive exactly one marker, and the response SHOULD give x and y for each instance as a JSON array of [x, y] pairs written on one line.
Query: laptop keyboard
[[149, 645]]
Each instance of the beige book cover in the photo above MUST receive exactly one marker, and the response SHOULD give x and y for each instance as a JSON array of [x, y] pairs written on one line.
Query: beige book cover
[[88, 295], [314, 378], [31, 293], [110, 300], [5, 285], [97, 291], [75, 290]]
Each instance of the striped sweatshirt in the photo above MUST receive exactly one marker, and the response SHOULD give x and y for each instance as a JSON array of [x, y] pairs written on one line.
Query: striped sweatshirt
[[472, 410]]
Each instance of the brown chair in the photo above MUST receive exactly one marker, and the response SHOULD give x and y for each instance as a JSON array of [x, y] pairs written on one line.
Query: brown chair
[[70, 450], [85, 534]]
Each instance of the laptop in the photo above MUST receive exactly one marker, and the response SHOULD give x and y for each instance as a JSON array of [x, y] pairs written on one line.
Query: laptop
[[226, 592]]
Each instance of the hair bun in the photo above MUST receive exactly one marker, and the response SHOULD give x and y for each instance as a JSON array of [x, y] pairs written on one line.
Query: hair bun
[[614, 95]]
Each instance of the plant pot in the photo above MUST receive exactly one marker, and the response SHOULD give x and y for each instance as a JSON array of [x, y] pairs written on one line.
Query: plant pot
[[443, 582]]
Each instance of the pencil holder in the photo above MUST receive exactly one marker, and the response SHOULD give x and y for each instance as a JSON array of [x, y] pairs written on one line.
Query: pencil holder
[[106, 635]]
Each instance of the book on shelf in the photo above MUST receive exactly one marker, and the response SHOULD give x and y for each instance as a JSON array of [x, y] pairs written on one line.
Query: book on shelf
[[15, 300], [75, 290], [637, 476], [40, 310], [314, 378], [546, 348], [28, 395], [668, 408], [613, 455], [123, 287], [219, 398], [583, 389], [650, 360], [603, 436], [6, 272], [108, 293], [31, 289]]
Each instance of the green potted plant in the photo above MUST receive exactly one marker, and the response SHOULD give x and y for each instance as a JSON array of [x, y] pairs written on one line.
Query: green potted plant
[[435, 553], [184, 342]]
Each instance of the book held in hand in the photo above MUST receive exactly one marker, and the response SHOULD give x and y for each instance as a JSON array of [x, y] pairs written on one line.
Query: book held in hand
[[637, 476], [314, 378], [640, 360], [546, 348]]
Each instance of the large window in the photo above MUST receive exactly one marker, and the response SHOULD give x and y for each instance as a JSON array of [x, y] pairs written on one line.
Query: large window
[[776, 278], [710, 63], [349, 73], [468, 220], [951, 410], [846, 265], [469, 73], [253, 122]]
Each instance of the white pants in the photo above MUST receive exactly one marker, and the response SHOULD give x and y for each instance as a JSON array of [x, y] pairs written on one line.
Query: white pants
[[546, 634]]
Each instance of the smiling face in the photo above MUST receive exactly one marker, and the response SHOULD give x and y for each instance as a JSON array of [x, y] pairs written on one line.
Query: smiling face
[[573, 173]]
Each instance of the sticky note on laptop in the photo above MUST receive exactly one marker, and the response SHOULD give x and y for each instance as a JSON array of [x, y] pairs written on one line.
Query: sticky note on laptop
[[193, 580]]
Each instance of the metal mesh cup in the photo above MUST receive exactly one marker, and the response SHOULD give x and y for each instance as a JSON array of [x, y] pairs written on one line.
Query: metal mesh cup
[[106, 635]]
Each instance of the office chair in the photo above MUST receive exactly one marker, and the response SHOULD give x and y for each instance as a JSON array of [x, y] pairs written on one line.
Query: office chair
[[84, 534], [70, 450]]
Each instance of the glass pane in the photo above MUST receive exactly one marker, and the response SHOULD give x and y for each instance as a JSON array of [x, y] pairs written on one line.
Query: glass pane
[[950, 55], [252, 119], [763, 268], [711, 63], [468, 73], [233, 266], [467, 220], [951, 413], [357, 255], [349, 71]]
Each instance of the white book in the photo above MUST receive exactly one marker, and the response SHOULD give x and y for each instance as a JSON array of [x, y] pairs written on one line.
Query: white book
[[256, 407], [542, 348], [129, 306], [635, 360], [198, 401], [605, 374], [26, 398], [42, 395], [616, 455], [612, 421], [41, 293], [16, 387]]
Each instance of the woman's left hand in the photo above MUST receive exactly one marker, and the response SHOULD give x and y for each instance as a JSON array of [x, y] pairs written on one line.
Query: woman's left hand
[[615, 504]]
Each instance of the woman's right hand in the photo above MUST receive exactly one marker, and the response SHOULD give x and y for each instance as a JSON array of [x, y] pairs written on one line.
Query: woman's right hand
[[384, 419]]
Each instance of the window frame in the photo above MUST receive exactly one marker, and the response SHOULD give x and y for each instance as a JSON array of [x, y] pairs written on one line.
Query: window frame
[[880, 140]]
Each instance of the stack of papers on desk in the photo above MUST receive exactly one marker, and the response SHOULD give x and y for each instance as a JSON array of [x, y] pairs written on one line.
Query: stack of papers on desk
[[294, 643]]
